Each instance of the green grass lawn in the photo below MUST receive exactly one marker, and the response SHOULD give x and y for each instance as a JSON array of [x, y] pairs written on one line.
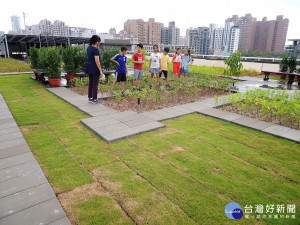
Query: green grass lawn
[[183, 174], [13, 65]]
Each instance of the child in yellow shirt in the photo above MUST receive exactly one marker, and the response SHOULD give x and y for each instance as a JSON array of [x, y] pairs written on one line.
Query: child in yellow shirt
[[165, 60]]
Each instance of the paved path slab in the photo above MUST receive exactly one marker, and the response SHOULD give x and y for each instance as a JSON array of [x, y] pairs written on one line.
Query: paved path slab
[[43, 213], [15, 150], [149, 127], [275, 129], [16, 160], [26, 197], [112, 125], [291, 134]]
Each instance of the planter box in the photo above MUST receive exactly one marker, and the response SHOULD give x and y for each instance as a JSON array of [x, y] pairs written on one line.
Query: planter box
[[54, 82], [70, 77], [282, 77]]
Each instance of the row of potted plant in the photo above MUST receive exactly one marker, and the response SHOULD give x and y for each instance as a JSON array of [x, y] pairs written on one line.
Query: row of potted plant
[[288, 64], [50, 60]]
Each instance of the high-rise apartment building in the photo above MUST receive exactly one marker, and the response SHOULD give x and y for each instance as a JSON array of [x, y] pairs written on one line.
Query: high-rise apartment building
[[199, 39], [147, 32], [215, 38], [247, 25], [138, 28], [233, 42], [81, 32], [261, 35], [154, 32], [60, 29], [212, 28], [113, 31], [271, 35], [170, 35], [32, 30], [46, 27], [226, 36], [15, 24], [165, 36], [218, 38]]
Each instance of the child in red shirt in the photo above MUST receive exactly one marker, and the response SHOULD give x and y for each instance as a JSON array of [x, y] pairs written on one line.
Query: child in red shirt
[[138, 60], [177, 59]]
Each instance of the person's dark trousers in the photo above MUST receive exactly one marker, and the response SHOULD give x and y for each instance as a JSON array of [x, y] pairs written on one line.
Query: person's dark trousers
[[93, 86]]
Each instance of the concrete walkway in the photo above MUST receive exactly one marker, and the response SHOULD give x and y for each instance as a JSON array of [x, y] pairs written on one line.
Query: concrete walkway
[[26, 197], [255, 82], [15, 73], [112, 125]]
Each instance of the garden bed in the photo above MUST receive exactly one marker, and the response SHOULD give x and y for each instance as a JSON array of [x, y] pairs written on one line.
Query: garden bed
[[179, 91], [274, 106]]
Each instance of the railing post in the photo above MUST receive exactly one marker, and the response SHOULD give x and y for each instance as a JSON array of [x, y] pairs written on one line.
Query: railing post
[[7, 47]]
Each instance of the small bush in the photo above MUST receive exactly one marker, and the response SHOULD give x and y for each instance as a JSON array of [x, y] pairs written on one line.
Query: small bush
[[106, 55], [34, 55]]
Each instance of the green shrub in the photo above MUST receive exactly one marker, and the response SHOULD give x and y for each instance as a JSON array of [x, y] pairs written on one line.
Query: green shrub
[[288, 64], [234, 63], [53, 59], [34, 54], [68, 57], [106, 55], [43, 64], [80, 58]]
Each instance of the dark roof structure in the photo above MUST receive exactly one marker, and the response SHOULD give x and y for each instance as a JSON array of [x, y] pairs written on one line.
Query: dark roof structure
[[16, 46]]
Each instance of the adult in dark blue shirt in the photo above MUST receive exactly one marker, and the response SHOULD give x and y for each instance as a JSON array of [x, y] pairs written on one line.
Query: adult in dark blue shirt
[[93, 68]]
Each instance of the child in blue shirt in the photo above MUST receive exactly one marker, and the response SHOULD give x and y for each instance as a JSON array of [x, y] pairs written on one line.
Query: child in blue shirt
[[121, 71], [187, 61]]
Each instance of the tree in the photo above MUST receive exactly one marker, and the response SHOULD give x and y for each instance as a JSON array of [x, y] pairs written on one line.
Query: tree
[[234, 63]]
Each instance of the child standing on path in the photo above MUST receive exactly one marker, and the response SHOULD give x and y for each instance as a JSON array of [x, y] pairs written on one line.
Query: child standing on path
[[186, 62], [155, 63], [177, 59], [165, 60], [121, 71], [138, 60]]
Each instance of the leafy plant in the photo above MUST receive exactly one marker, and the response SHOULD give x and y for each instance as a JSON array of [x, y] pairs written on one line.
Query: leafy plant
[[80, 58], [292, 63], [234, 64], [34, 54], [272, 105], [68, 57], [106, 55], [53, 59], [43, 63], [288, 64]]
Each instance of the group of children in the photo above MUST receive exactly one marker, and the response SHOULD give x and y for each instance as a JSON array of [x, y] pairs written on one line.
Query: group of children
[[158, 65]]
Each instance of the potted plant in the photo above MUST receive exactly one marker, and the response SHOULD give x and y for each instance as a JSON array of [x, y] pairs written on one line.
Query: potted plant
[[68, 57], [53, 70], [80, 58], [34, 54], [42, 63], [298, 71], [284, 66]]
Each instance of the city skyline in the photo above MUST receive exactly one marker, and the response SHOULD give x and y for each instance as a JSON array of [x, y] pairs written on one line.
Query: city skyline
[[194, 17]]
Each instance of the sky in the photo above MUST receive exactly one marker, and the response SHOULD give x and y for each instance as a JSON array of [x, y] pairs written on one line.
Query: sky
[[102, 15]]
